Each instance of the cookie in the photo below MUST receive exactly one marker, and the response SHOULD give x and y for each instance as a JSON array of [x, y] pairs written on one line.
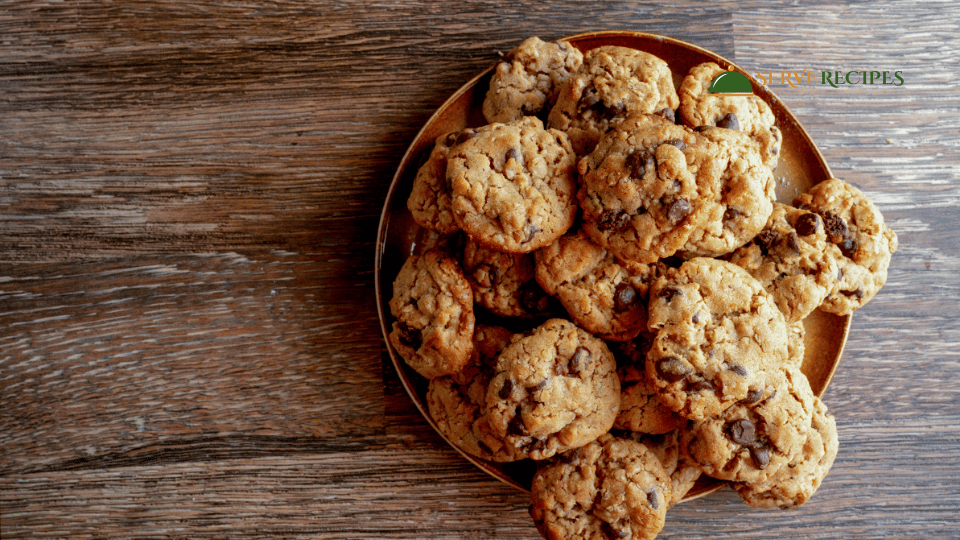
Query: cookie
[[796, 346], [796, 482], [683, 472], [513, 185], [750, 442], [430, 201], [610, 488], [527, 80], [554, 388], [717, 330], [646, 187], [747, 113], [747, 193], [455, 402], [865, 244], [613, 83], [793, 259], [599, 292], [433, 306], [501, 282]]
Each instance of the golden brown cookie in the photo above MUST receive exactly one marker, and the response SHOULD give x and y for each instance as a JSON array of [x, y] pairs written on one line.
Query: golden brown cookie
[[430, 201]]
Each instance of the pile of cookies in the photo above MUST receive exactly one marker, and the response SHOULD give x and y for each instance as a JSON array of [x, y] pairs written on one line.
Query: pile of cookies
[[611, 288]]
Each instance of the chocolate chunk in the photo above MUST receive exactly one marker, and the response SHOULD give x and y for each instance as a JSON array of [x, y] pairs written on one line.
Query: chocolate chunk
[[539, 386], [696, 317], [653, 497], [515, 155], [578, 361], [672, 369], [731, 214], [533, 299], [742, 432], [588, 99], [849, 247], [753, 396], [677, 143], [858, 294], [465, 136], [614, 532], [808, 224], [667, 114], [506, 389], [792, 242], [739, 370], [728, 121], [835, 226], [639, 163], [409, 336], [761, 456], [624, 297], [766, 239], [700, 386], [613, 220], [516, 426], [679, 210], [670, 293]]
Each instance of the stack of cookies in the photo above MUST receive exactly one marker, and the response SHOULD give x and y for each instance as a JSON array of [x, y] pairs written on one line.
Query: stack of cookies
[[613, 290]]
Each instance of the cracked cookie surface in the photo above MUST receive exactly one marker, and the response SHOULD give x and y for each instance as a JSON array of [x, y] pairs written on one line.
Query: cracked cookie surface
[[717, 330], [527, 80], [613, 83], [432, 304], [865, 245], [513, 185], [553, 389], [610, 488], [646, 187]]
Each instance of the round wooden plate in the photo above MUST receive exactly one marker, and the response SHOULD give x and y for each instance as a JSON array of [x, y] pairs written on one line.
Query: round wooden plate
[[801, 166]]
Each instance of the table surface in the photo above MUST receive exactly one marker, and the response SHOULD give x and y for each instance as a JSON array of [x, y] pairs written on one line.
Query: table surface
[[189, 200]]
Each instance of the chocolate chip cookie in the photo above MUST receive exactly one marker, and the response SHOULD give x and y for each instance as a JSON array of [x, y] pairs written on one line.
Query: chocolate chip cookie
[[433, 306], [612, 84], [527, 80], [796, 482], [553, 389], [793, 259], [601, 294], [717, 330], [864, 243], [751, 441], [610, 488], [747, 193], [641, 409], [647, 186], [499, 280], [513, 185], [747, 113]]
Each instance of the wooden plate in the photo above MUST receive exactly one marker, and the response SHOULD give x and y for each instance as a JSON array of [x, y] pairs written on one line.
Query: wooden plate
[[801, 166]]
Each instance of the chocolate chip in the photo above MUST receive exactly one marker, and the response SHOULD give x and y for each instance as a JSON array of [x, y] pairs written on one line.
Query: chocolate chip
[[753, 396], [766, 239], [613, 532], [613, 220], [588, 98], [465, 136], [506, 389], [808, 224], [578, 361], [451, 139], [516, 426], [742, 432], [701, 129], [531, 231], [731, 214], [533, 299], [679, 210], [536, 445], [792, 242], [672, 369], [670, 293], [624, 297], [696, 317], [739, 370], [700, 386], [515, 155], [409, 336], [678, 143], [653, 497], [639, 162], [539, 386], [667, 114], [835, 226], [858, 294], [728, 121], [849, 247], [761, 456]]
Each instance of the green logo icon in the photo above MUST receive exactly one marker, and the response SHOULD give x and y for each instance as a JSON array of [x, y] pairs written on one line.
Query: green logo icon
[[731, 82]]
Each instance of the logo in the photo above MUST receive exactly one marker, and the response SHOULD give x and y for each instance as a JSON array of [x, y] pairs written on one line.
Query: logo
[[730, 83], [833, 78]]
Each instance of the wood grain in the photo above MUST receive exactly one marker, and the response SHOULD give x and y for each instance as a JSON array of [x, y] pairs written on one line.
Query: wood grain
[[189, 200]]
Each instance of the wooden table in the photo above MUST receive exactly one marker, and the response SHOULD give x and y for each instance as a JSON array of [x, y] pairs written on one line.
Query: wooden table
[[189, 199]]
